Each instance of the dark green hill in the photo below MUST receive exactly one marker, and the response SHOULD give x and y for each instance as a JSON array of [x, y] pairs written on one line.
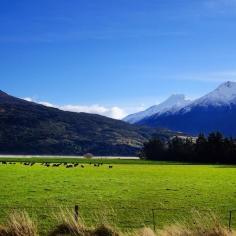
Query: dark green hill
[[30, 128]]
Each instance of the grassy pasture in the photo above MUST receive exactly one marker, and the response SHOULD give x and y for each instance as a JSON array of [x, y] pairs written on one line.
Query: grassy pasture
[[124, 194]]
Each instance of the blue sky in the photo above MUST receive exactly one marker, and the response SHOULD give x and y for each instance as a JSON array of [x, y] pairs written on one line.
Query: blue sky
[[114, 57]]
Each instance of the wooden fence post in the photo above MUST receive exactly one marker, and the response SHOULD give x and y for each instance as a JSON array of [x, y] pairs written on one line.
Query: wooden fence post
[[230, 219], [76, 213], [153, 220]]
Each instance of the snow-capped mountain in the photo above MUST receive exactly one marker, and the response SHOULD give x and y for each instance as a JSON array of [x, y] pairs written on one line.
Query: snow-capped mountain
[[173, 103], [225, 94], [215, 111]]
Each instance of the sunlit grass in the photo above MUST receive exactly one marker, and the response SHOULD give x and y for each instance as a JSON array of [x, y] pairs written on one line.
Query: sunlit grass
[[127, 193]]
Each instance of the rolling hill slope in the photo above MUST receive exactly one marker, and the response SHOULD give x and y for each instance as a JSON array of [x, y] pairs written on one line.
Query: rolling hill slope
[[30, 128]]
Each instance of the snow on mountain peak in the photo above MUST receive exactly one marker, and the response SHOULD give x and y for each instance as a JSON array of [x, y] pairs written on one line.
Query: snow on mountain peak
[[175, 99], [225, 94], [173, 103], [229, 85]]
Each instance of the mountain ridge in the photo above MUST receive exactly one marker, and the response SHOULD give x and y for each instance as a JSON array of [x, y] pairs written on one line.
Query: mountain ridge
[[172, 103], [216, 111], [30, 128]]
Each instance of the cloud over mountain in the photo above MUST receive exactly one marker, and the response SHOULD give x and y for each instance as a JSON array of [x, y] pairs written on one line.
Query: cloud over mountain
[[114, 112]]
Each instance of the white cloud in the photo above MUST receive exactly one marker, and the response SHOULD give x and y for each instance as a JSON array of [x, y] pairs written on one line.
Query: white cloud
[[88, 109], [112, 112], [117, 113], [28, 99], [47, 104]]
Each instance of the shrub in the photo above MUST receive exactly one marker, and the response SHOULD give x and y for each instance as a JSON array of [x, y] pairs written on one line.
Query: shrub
[[68, 225], [3, 231], [88, 155], [104, 230]]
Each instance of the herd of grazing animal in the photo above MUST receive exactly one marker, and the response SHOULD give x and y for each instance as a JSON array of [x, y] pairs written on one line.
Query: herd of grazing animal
[[10, 163], [49, 164]]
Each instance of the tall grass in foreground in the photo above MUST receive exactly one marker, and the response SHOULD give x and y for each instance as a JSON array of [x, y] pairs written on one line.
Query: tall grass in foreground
[[199, 225], [20, 224]]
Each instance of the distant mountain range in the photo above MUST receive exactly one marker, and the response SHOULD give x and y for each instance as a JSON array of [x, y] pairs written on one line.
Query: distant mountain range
[[173, 103], [30, 128], [215, 111]]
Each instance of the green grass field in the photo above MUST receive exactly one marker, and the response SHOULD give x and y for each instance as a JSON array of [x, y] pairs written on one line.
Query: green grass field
[[125, 194]]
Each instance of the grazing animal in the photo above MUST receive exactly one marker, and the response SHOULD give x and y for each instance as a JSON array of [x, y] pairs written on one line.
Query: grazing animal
[[4, 162], [55, 165], [69, 166], [110, 167], [82, 166], [76, 164]]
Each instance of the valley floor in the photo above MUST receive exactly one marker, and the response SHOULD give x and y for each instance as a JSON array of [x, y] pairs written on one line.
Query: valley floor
[[130, 194]]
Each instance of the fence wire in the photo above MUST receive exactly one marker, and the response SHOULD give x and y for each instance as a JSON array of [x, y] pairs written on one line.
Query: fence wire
[[124, 218]]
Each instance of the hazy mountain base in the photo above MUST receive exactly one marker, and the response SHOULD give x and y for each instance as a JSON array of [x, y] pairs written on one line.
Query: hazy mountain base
[[197, 120]]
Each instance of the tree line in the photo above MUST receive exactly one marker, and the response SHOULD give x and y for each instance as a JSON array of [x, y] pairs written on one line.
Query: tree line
[[214, 148]]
